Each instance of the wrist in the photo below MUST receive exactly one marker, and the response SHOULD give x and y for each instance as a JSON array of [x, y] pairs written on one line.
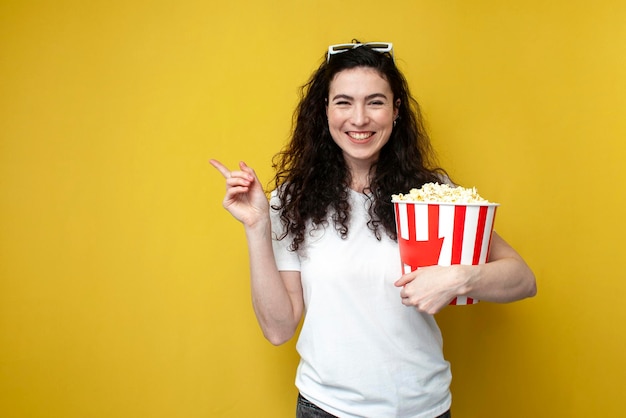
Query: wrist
[[467, 278], [259, 226]]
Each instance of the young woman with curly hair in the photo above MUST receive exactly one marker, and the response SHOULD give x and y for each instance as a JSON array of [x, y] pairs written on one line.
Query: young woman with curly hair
[[324, 248]]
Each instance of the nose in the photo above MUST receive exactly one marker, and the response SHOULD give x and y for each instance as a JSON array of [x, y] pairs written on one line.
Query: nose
[[359, 116]]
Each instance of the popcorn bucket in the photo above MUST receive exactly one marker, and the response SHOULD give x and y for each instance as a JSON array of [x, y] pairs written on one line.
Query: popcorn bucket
[[444, 234]]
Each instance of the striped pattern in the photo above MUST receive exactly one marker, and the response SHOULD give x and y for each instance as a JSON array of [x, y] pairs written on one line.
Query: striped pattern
[[465, 231]]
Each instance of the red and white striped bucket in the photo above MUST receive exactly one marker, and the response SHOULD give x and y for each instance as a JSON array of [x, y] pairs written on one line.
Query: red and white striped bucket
[[444, 234]]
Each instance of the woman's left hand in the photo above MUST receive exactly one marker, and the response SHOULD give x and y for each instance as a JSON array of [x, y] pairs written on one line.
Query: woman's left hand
[[429, 289]]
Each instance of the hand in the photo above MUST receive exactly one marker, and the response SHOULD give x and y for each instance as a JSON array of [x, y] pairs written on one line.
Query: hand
[[430, 289], [245, 198]]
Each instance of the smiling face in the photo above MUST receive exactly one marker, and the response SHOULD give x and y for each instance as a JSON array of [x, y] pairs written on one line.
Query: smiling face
[[360, 111]]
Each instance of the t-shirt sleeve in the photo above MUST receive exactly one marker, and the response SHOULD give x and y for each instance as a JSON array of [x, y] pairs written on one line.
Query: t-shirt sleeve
[[286, 260], [444, 179]]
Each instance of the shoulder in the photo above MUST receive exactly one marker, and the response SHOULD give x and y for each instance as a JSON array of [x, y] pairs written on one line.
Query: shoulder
[[445, 179], [278, 196]]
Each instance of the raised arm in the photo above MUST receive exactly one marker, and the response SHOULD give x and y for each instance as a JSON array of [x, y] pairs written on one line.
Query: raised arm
[[276, 295]]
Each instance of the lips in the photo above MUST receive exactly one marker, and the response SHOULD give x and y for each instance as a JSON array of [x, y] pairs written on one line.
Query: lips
[[360, 136]]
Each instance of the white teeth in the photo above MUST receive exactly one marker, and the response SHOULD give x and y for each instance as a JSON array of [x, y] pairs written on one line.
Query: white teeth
[[360, 135]]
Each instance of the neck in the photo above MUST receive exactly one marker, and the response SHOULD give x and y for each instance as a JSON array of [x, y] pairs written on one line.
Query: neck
[[359, 173], [360, 180]]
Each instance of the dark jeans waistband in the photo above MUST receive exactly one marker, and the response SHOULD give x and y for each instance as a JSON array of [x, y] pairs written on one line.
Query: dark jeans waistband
[[307, 409]]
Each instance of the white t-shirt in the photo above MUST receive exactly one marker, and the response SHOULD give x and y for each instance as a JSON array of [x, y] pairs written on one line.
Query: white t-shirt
[[363, 353]]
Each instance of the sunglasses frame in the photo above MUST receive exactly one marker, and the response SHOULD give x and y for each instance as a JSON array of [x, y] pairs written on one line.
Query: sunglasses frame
[[381, 47]]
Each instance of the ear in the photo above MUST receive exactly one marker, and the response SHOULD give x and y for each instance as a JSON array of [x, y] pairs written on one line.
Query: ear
[[326, 105], [396, 109]]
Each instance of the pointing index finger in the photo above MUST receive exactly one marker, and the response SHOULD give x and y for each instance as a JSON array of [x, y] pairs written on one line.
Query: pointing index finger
[[221, 168]]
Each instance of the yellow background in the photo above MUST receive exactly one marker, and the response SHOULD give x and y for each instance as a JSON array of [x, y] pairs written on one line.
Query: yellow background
[[124, 288]]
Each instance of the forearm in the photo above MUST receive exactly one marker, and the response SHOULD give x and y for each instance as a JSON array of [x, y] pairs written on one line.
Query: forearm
[[500, 281], [276, 296], [505, 278]]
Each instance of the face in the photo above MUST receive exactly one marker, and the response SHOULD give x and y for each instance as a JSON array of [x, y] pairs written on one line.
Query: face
[[360, 111]]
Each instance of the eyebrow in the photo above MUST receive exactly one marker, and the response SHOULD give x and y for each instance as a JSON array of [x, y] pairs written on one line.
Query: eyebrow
[[369, 97]]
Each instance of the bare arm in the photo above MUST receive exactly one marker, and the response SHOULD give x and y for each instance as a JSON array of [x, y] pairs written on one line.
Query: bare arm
[[276, 296], [504, 278]]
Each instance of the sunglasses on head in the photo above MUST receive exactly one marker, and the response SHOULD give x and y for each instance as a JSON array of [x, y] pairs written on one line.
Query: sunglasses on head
[[381, 47]]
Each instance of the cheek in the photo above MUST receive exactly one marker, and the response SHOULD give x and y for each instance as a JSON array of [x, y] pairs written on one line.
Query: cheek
[[333, 120]]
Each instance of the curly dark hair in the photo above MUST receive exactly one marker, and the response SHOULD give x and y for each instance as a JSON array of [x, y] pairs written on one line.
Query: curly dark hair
[[311, 174]]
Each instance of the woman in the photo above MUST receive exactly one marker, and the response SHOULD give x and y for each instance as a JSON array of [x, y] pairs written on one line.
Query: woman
[[326, 246]]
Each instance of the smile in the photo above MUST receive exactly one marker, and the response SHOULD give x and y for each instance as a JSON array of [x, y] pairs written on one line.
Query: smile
[[360, 136]]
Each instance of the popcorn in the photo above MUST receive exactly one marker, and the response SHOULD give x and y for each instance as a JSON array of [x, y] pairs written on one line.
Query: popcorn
[[441, 193]]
